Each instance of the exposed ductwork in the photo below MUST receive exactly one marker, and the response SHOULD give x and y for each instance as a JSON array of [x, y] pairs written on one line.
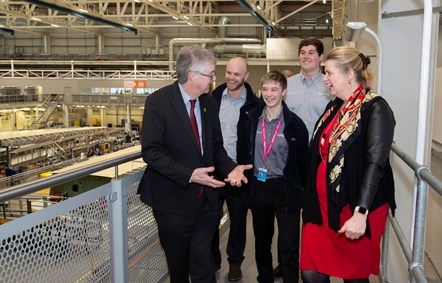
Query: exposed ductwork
[[205, 40], [222, 29], [256, 49]]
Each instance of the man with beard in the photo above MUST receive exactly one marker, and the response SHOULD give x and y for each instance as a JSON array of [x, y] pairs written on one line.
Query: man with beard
[[234, 97]]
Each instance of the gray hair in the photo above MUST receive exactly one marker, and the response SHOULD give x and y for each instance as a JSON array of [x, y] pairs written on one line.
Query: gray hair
[[192, 58]]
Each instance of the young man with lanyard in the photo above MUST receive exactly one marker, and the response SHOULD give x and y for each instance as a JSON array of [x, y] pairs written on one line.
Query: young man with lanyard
[[275, 141]]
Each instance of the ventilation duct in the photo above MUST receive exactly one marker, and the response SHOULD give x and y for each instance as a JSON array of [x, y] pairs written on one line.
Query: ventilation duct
[[205, 40], [222, 29], [256, 49]]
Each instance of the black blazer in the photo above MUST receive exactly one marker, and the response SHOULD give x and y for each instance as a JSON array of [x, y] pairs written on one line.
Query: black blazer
[[367, 177], [171, 153]]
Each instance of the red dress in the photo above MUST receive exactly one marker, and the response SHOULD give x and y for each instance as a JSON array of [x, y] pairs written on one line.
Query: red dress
[[329, 252]]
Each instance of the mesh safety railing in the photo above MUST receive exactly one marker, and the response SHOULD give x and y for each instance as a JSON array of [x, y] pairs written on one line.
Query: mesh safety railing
[[103, 235]]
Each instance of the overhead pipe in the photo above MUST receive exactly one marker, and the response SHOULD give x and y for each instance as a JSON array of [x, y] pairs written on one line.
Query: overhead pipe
[[205, 40], [257, 49], [222, 29], [82, 15], [255, 14]]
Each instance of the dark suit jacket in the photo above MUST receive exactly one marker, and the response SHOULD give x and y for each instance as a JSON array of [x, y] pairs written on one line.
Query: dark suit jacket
[[170, 150]]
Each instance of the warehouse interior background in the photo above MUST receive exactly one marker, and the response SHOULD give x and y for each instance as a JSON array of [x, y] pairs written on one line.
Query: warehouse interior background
[[91, 63]]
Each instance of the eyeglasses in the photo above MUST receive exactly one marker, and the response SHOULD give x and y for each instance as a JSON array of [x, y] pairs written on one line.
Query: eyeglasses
[[211, 75]]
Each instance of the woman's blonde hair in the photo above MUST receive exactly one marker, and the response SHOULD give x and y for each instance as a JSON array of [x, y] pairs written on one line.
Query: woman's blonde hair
[[349, 58]]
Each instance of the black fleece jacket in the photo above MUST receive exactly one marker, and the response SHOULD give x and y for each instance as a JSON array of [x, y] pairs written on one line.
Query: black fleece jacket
[[296, 135]]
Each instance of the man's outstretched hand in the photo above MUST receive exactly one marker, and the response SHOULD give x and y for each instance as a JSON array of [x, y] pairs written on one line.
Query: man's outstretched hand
[[237, 175], [201, 176]]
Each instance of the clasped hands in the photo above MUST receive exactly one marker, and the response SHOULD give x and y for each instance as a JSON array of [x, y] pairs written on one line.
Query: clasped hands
[[235, 177]]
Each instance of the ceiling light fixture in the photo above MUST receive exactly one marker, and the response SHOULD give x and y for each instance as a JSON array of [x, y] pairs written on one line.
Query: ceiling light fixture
[[255, 14], [352, 33], [12, 32], [78, 14]]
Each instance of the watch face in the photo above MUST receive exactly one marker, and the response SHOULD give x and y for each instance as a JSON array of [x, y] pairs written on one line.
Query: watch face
[[361, 210]]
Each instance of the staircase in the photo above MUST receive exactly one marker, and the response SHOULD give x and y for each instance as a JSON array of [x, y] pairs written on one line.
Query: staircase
[[58, 154], [50, 104]]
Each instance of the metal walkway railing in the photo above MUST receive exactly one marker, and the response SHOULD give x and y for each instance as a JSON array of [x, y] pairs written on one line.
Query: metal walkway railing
[[81, 239], [103, 235], [414, 255]]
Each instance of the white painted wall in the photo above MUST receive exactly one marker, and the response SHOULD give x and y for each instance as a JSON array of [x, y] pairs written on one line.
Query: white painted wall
[[437, 125], [402, 41]]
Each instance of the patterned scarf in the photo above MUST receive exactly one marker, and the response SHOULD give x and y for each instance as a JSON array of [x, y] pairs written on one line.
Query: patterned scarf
[[344, 133]]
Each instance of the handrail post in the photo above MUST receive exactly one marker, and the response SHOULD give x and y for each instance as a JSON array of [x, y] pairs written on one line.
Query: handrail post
[[384, 255], [419, 226], [118, 233]]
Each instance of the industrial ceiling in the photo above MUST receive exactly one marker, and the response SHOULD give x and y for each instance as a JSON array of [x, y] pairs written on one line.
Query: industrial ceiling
[[280, 18]]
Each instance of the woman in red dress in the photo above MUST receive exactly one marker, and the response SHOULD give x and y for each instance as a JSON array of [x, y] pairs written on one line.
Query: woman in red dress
[[349, 185]]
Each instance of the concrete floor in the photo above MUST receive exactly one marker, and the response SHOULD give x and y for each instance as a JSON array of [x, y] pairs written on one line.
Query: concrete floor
[[249, 266]]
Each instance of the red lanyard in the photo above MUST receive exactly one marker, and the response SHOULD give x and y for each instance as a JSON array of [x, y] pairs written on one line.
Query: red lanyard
[[264, 139]]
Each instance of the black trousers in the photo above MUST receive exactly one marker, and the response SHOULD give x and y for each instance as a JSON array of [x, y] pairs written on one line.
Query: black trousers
[[269, 202], [235, 199], [187, 240]]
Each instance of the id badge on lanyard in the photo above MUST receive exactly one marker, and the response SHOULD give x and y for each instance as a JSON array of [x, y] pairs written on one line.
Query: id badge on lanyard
[[262, 171]]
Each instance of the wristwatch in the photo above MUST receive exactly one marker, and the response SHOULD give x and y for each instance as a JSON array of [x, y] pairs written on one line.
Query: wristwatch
[[361, 210]]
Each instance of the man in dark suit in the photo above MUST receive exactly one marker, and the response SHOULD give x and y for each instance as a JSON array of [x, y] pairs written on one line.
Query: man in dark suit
[[182, 144]]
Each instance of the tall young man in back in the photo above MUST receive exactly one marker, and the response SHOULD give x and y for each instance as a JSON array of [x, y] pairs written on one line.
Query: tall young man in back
[[307, 95]]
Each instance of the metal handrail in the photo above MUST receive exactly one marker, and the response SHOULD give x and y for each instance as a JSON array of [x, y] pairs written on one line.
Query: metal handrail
[[34, 186], [415, 254], [425, 175]]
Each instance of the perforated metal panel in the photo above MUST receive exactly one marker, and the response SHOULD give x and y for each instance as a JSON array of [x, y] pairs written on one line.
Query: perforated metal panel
[[72, 247], [147, 262], [70, 241]]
